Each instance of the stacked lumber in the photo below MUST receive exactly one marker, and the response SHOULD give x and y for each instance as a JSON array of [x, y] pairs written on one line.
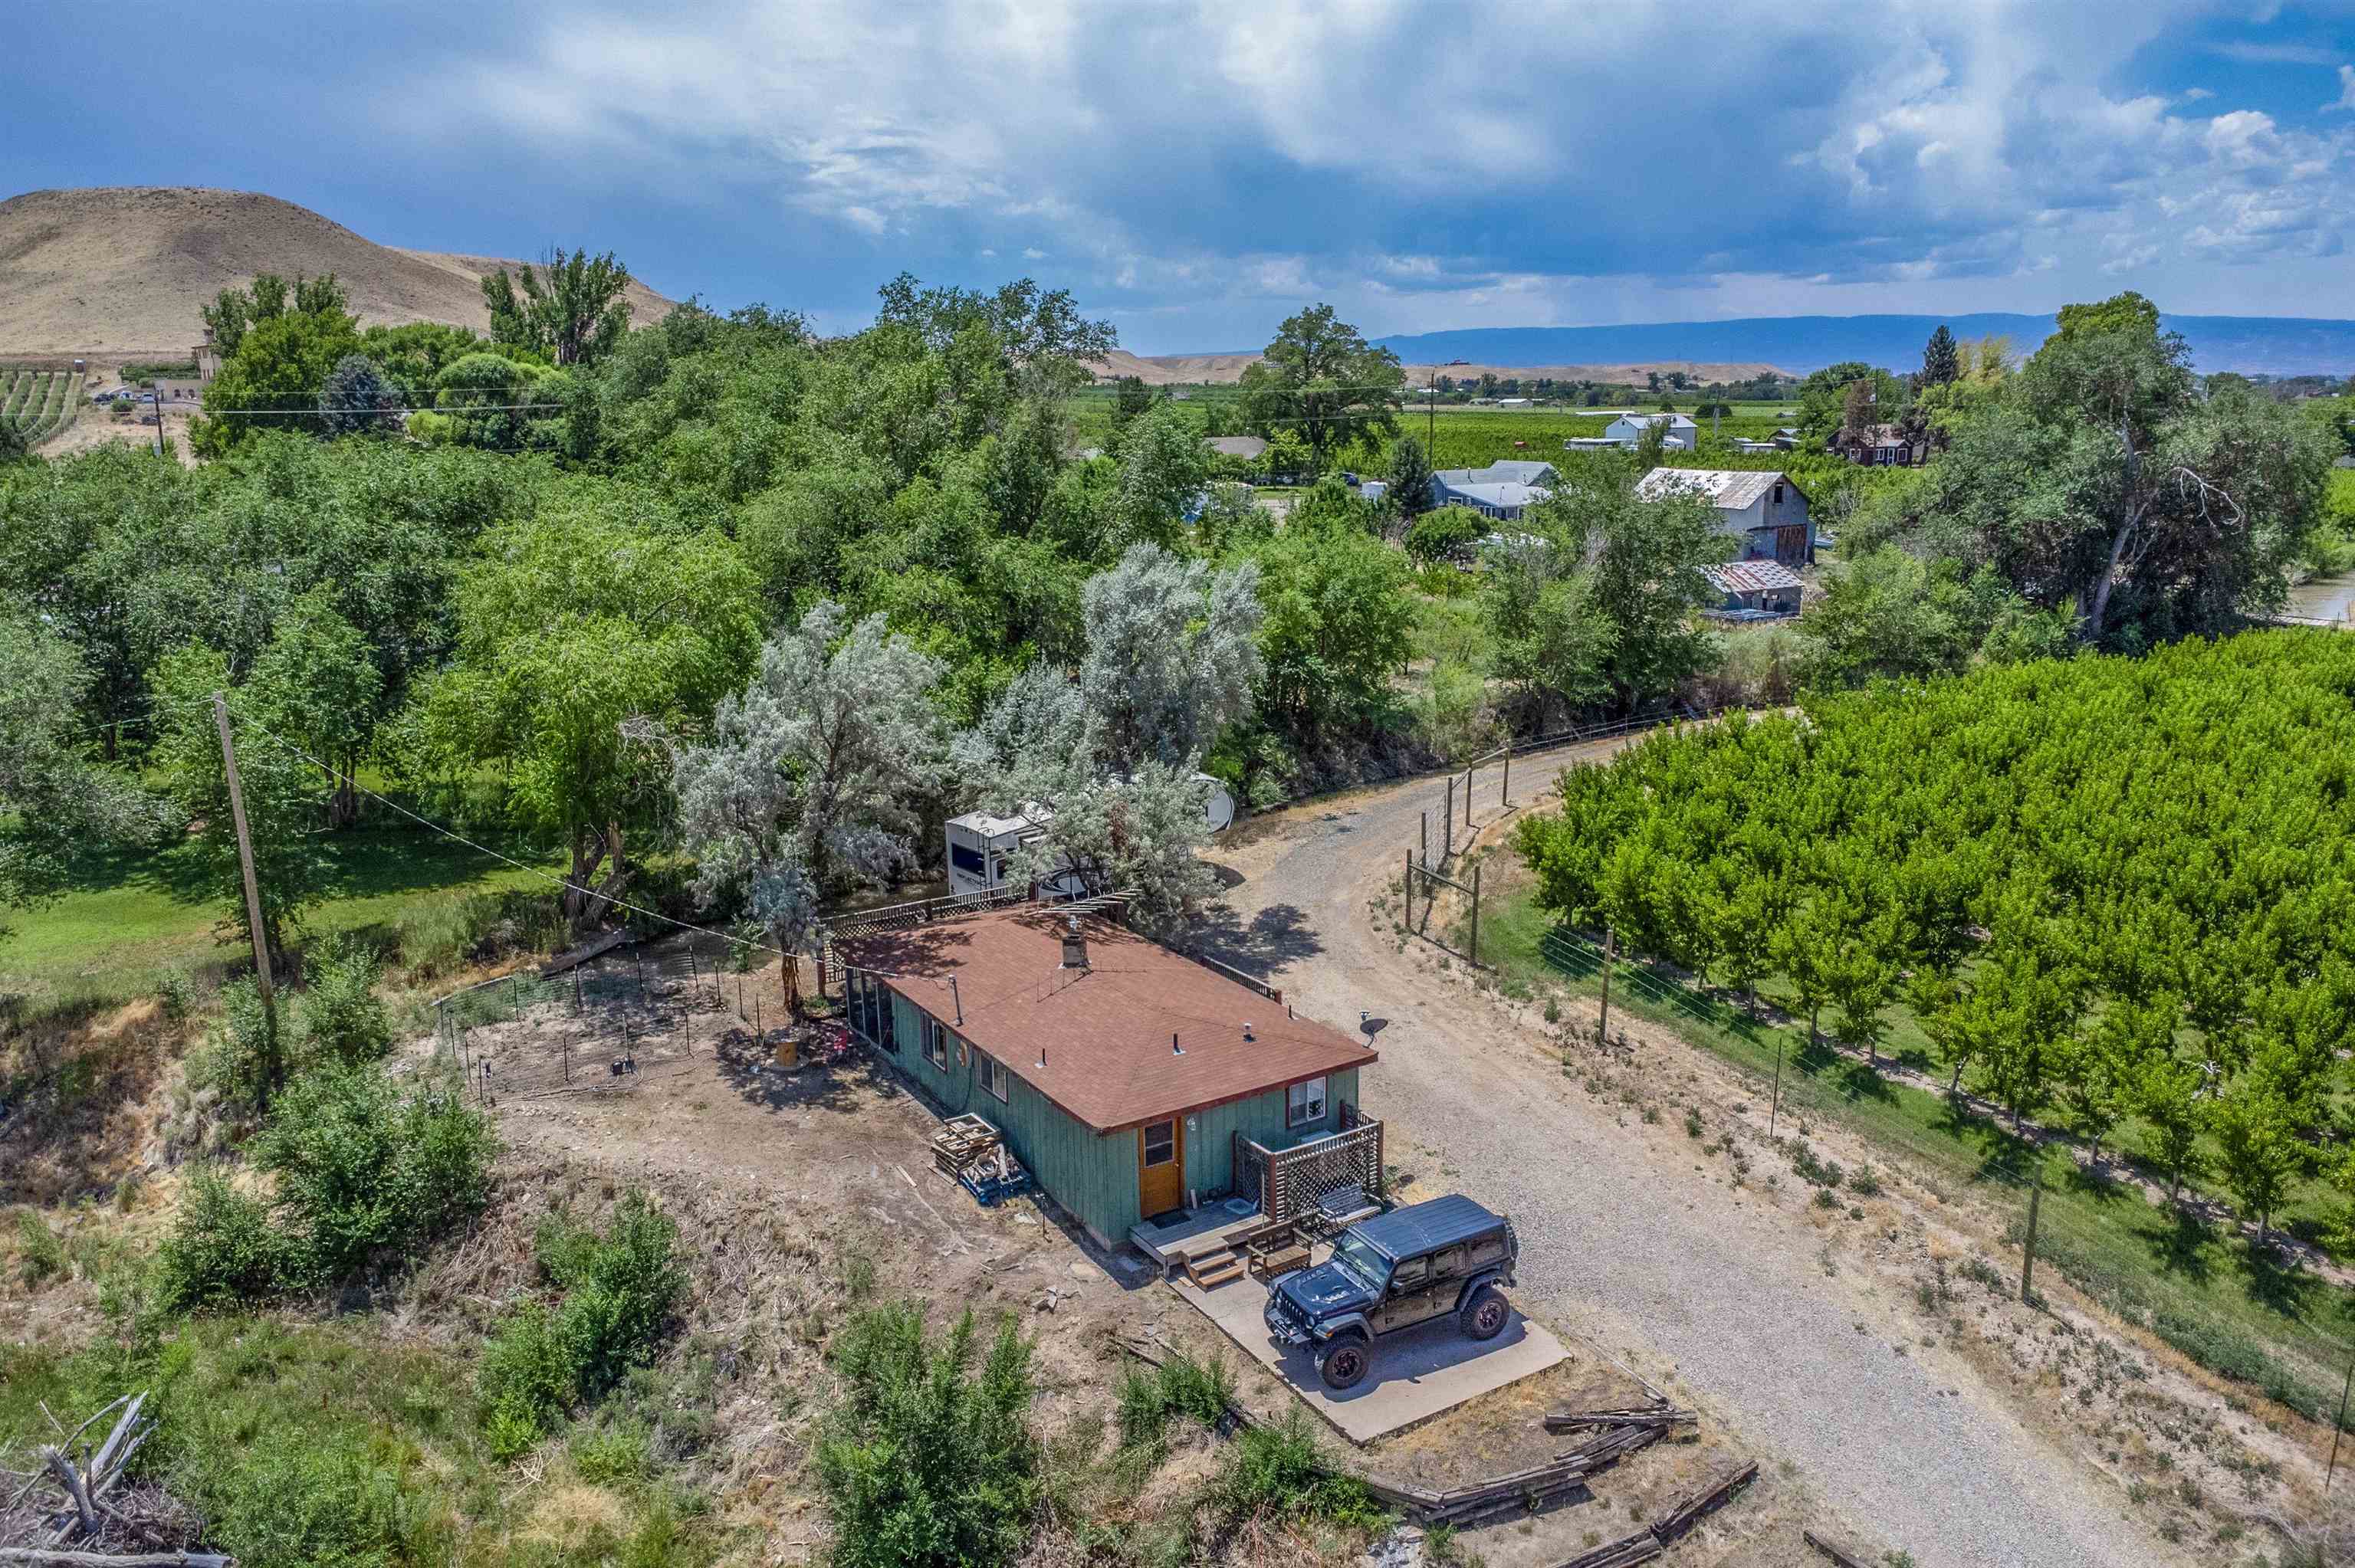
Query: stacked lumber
[[963, 1141], [1662, 1415]]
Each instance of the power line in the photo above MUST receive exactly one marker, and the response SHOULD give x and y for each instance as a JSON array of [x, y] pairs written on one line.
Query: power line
[[456, 837]]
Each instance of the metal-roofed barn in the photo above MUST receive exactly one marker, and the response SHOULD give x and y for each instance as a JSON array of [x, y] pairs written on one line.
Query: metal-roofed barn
[[1765, 510]]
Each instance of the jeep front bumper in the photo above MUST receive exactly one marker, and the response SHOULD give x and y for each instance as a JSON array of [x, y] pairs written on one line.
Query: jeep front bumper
[[1281, 1325]]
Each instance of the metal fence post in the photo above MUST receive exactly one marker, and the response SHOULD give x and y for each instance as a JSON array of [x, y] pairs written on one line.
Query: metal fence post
[[576, 991], [2339, 1426], [514, 996], [1476, 912], [1409, 883], [1467, 799], [1602, 1027], [2028, 1254], [1505, 792], [1447, 823], [1427, 838]]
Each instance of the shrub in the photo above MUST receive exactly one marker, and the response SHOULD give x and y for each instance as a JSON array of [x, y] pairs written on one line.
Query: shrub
[[1199, 1390], [527, 1378], [615, 1454], [119, 405], [301, 1502], [360, 1169], [1279, 1469], [619, 1291], [341, 1018], [1864, 1182], [40, 1254], [224, 1248], [928, 1460]]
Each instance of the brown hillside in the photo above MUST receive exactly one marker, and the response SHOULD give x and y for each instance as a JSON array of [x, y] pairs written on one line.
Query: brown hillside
[[121, 269], [1216, 369]]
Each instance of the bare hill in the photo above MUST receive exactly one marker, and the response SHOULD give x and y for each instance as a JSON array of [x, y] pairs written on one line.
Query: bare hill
[[1218, 369], [119, 271]]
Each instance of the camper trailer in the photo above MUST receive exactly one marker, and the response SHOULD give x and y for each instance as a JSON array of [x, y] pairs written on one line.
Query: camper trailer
[[979, 842]]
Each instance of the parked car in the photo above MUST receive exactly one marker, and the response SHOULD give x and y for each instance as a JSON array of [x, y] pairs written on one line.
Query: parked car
[[1392, 1272]]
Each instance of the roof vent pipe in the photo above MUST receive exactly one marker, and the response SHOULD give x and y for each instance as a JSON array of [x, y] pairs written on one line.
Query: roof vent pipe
[[1075, 946]]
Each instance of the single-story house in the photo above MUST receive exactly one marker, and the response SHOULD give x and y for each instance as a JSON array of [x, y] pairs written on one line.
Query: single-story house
[[1503, 489], [1753, 447], [1129, 1079], [1250, 449], [1765, 510], [1629, 429], [1590, 444], [1881, 446], [1754, 588]]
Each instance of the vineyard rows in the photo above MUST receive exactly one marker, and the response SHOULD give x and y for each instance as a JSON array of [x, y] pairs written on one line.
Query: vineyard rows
[[43, 401]]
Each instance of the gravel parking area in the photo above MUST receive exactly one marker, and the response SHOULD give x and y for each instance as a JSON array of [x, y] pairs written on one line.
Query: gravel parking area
[[1715, 1292]]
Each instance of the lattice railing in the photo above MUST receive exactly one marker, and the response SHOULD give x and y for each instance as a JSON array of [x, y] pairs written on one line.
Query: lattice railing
[[1291, 1182]]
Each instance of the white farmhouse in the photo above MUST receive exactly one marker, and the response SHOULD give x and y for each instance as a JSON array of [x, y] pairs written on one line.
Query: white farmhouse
[[1767, 511], [1629, 429]]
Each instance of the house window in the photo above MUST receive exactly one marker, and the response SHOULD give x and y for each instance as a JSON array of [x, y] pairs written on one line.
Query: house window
[[967, 859], [1161, 1142], [1778, 495], [936, 1042], [993, 1076], [1304, 1103]]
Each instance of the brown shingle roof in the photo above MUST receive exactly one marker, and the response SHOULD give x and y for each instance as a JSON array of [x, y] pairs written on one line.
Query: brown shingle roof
[[1104, 1030]]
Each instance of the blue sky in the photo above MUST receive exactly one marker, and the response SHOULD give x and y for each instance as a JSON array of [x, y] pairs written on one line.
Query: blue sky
[[1196, 173]]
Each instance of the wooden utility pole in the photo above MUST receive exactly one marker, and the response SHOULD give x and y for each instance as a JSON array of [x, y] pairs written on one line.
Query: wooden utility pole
[[261, 977]]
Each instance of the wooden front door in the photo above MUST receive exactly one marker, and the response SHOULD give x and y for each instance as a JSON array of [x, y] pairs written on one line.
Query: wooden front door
[[1160, 1167]]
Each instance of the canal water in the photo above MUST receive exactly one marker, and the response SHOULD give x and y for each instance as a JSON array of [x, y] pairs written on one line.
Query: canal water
[[2324, 598]]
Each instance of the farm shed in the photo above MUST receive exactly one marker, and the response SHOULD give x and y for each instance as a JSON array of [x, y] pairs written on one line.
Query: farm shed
[[1754, 588], [1131, 1080], [1765, 510]]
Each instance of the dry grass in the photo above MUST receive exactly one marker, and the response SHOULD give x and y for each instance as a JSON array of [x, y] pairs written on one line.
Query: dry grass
[[121, 269]]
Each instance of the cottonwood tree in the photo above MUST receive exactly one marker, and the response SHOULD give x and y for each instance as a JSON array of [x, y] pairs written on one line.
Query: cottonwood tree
[[569, 307], [1321, 378], [54, 797], [570, 624], [323, 688], [1162, 467], [812, 780]]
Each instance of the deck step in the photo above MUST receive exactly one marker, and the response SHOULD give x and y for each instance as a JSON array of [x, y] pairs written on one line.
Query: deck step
[[1211, 1269]]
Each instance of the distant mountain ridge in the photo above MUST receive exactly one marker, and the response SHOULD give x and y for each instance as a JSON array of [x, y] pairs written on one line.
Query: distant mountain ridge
[[2272, 345]]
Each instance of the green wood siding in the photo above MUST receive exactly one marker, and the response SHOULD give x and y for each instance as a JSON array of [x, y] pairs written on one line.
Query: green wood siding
[[1090, 1174]]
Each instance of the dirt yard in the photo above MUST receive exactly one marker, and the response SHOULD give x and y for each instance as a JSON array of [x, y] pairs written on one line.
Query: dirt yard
[[831, 1165]]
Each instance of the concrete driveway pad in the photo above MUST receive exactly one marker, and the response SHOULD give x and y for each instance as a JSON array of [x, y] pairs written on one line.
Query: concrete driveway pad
[[1418, 1373]]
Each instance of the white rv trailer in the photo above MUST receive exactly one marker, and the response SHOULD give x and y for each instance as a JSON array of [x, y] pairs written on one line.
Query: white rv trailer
[[979, 842]]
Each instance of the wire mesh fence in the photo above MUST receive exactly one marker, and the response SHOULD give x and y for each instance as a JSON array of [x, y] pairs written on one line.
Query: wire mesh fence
[[2180, 1265], [603, 1024]]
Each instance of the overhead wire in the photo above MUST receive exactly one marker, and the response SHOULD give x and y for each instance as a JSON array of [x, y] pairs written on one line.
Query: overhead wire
[[455, 837]]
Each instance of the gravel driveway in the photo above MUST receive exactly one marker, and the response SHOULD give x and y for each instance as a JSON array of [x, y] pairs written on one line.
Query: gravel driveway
[[1727, 1293]]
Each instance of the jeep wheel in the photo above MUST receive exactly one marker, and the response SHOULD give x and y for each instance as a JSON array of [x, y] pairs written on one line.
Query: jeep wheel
[[1344, 1361], [1484, 1314]]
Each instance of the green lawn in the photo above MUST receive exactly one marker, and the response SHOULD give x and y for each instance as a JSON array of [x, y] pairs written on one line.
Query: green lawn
[[2284, 1330], [130, 917]]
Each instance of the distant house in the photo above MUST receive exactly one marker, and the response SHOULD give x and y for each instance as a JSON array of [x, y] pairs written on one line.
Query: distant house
[[208, 357], [1629, 429], [1753, 447], [1881, 446], [1250, 449], [1767, 511], [1133, 1082], [1503, 489], [1787, 440], [1590, 444], [1754, 589]]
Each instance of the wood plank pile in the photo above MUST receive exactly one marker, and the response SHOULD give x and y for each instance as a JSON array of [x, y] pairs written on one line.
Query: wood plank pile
[[968, 1150], [1528, 1490], [963, 1141], [1653, 1539], [1634, 1416], [1624, 1553]]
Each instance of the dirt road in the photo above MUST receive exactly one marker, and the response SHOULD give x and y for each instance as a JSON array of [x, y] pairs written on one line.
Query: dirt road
[[1721, 1289]]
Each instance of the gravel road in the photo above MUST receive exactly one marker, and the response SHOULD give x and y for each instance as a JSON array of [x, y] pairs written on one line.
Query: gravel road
[[1727, 1292]]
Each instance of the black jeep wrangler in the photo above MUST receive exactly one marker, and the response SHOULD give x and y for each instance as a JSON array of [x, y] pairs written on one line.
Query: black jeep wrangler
[[1392, 1272]]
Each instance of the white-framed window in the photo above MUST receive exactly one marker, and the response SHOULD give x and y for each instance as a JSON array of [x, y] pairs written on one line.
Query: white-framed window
[[1304, 1103], [994, 1076], [937, 1043]]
